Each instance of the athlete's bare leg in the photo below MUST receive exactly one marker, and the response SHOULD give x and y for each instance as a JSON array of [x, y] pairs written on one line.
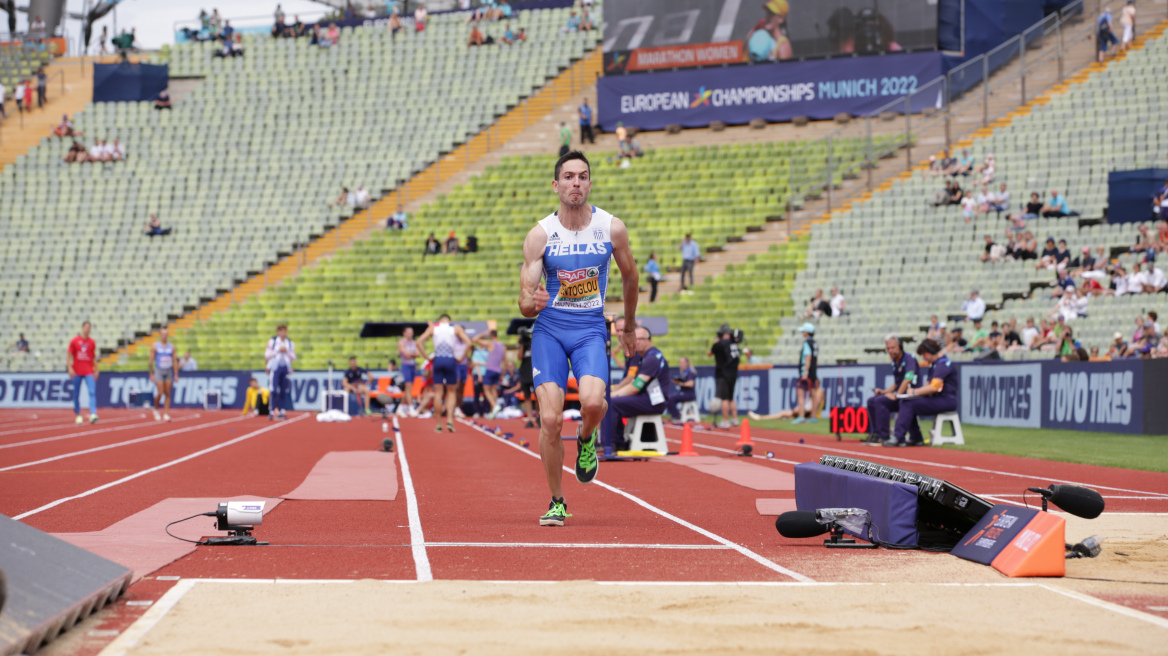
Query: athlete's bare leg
[[801, 403], [551, 444], [492, 394], [167, 388], [592, 404], [451, 396]]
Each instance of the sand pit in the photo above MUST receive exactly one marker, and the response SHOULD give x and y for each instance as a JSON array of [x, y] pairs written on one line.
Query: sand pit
[[447, 617]]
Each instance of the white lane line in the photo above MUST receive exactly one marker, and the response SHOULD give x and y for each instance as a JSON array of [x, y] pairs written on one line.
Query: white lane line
[[149, 619], [121, 444], [165, 465], [753, 455], [1158, 609], [1107, 605], [90, 432], [860, 455], [769, 564], [41, 429], [417, 539], [578, 545]]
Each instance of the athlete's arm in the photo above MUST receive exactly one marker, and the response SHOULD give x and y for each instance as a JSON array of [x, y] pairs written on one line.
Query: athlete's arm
[[630, 281], [421, 340], [461, 334], [401, 350], [532, 296], [150, 362], [69, 361]]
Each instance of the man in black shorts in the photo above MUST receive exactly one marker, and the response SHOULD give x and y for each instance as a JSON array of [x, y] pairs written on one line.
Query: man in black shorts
[[725, 352], [356, 381]]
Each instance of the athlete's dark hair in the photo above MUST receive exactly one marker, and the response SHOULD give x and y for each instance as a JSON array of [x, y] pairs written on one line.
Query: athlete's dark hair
[[444, 316], [352, 357], [282, 326], [567, 157], [929, 346]]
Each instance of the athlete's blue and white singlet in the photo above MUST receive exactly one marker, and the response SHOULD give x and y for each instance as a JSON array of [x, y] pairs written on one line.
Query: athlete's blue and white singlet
[[445, 368], [571, 327]]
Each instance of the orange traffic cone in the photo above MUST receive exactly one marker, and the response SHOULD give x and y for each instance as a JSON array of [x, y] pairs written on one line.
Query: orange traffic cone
[[744, 440], [687, 442]]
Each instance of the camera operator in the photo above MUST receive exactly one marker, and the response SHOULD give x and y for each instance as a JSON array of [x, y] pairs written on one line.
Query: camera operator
[[884, 403], [527, 378], [726, 358], [684, 382]]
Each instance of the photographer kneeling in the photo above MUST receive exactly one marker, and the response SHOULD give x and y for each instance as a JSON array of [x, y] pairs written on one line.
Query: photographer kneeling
[[646, 394]]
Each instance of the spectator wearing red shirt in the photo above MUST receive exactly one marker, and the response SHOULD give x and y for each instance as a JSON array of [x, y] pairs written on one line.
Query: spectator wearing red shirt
[[83, 369]]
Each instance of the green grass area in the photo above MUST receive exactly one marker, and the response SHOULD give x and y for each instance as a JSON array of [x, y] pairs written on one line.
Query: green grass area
[[1145, 452]]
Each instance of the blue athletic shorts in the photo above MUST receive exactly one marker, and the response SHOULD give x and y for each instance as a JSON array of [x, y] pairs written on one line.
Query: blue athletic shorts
[[445, 371], [556, 343], [491, 377], [409, 371], [461, 371]]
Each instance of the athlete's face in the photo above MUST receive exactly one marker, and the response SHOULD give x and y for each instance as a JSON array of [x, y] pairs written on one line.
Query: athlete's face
[[163, 335], [409, 333], [85, 329], [574, 184]]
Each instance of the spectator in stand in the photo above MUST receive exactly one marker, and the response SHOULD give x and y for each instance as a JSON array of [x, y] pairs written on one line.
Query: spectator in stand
[[1153, 318], [154, 227], [1029, 333], [510, 37], [77, 153], [1033, 211], [116, 152], [476, 36], [1056, 207], [1146, 344], [395, 24], [452, 244], [1118, 285], [987, 169], [227, 34], [65, 128], [1105, 36], [690, 253], [586, 24], [968, 207], [1127, 18], [163, 101], [838, 307], [21, 345], [964, 164], [215, 22], [1025, 247], [42, 86], [332, 36], [1061, 284], [345, 197], [399, 220], [654, 270], [1136, 280], [97, 152], [1011, 339], [817, 306], [360, 197], [1118, 347], [951, 195], [37, 25], [432, 246], [1145, 245], [956, 342], [573, 23], [1049, 256], [1072, 305], [934, 170], [993, 252], [585, 114], [1069, 349], [998, 201], [420, 16], [936, 329], [188, 363], [981, 337], [997, 341], [974, 306]]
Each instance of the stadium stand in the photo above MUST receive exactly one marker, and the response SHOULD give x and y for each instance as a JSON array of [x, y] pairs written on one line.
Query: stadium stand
[[242, 168], [899, 260], [387, 278], [17, 63]]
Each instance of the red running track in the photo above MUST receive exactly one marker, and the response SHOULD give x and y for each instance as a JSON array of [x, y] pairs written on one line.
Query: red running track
[[478, 500]]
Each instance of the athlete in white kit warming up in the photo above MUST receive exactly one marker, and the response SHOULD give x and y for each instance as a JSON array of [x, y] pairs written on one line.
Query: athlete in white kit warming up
[[571, 250]]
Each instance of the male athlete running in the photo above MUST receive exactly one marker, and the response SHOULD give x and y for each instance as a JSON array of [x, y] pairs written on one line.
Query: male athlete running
[[163, 372], [571, 249]]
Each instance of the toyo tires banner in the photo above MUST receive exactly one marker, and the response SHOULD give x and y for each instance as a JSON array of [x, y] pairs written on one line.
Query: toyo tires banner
[[776, 92]]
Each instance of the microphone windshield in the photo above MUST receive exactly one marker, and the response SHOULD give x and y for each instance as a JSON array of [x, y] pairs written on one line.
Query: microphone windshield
[[799, 524], [1079, 501]]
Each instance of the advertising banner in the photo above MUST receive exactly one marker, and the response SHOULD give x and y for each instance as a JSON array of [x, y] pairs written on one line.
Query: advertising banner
[[1002, 395], [768, 31], [686, 56], [1094, 396], [775, 92]]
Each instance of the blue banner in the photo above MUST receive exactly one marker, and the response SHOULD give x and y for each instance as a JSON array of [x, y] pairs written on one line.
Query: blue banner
[[1095, 396], [1002, 394], [126, 82], [776, 92]]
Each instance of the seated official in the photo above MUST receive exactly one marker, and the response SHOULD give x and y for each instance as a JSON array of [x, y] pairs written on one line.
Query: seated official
[[257, 399], [938, 394], [884, 403], [647, 392], [356, 381], [685, 382]]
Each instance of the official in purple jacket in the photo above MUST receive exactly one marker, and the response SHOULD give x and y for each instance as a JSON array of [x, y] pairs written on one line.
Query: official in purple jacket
[[648, 391], [938, 394], [884, 403]]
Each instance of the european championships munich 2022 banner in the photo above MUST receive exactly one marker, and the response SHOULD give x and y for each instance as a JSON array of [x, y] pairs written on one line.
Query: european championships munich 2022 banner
[[737, 60]]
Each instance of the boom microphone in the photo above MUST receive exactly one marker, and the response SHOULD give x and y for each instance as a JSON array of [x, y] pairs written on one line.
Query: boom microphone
[[1079, 501], [800, 524]]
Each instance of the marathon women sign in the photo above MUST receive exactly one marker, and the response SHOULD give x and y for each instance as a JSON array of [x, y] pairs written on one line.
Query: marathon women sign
[[776, 92]]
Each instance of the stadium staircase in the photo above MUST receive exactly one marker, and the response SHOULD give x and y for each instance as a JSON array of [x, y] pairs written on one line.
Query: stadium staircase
[[70, 88], [899, 260]]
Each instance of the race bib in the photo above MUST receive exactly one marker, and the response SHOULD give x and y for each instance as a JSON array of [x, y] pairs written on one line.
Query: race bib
[[656, 397], [579, 290]]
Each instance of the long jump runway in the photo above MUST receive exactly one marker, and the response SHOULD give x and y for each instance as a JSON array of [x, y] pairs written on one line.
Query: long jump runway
[[669, 546]]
